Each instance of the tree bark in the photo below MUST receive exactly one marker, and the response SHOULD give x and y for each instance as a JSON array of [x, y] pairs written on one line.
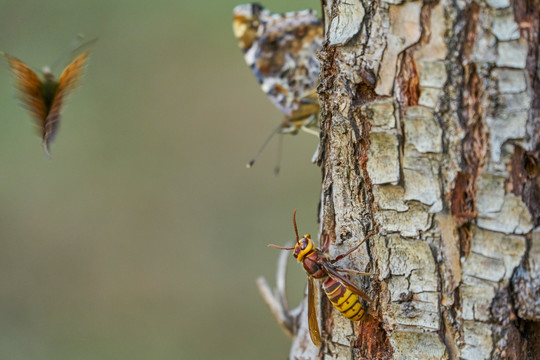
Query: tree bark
[[430, 140]]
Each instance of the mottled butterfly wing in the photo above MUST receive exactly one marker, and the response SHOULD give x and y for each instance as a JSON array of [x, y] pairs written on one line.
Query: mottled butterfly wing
[[286, 61], [29, 86], [69, 80], [281, 49]]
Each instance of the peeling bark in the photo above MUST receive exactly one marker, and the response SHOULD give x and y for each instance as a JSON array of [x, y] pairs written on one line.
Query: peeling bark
[[429, 140]]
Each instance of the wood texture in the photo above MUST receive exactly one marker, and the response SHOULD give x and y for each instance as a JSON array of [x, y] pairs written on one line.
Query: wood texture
[[429, 139]]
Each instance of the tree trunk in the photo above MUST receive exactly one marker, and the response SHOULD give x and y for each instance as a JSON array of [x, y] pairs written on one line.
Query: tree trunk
[[430, 140]]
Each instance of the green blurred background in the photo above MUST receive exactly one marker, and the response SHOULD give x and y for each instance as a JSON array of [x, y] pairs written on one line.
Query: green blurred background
[[142, 236]]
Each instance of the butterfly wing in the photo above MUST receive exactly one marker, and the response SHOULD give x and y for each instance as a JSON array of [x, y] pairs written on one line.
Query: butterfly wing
[[287, 63], [29, 86], [281, 50], [67, 82]]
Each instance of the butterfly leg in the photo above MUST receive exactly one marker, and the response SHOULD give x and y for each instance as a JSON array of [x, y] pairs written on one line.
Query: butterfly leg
[[315, 155], [311, 131], [311, 122]]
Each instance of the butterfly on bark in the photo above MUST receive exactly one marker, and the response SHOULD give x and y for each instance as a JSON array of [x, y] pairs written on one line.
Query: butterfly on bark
[[44, 95], [281, 50]]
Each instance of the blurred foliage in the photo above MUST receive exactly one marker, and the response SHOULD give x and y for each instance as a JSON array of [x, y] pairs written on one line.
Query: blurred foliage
[[142, 236]]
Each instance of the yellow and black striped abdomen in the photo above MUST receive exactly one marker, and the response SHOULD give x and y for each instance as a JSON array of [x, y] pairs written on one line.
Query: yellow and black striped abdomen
[[344, 300]]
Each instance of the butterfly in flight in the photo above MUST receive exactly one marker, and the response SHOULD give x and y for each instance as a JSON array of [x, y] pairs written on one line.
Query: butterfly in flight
[[44, 96], [281, 49]]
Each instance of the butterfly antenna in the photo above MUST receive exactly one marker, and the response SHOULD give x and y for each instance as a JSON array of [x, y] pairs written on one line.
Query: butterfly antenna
[[252, 161], [280, 151], [76, 47], [295, 227], [60, 59], [81, 46]]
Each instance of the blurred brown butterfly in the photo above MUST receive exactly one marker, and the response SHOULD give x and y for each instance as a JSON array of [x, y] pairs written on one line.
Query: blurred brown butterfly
[[44, 97]]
